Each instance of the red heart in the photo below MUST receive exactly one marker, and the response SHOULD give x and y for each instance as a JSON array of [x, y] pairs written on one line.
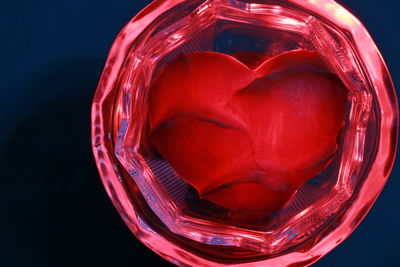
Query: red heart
[[247, 139]]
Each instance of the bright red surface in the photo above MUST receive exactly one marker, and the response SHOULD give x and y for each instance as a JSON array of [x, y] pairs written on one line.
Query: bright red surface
[[247, 139]]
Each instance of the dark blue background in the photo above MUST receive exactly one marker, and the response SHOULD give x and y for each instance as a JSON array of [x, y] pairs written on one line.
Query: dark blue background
[[55, 211]]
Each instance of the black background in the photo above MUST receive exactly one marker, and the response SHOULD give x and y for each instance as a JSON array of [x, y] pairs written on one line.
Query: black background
[[55, 211]]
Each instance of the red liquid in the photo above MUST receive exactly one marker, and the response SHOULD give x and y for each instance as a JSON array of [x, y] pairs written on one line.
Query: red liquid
[[247, 139]]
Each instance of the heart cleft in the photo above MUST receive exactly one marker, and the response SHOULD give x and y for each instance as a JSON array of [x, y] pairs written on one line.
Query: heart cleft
[[246, 138]]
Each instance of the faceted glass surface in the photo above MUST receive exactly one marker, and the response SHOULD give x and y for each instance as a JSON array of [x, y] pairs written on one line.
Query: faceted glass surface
[[163, 210]]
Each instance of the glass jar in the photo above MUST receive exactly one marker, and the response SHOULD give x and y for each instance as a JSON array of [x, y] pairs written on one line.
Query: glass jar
[[163, 210]]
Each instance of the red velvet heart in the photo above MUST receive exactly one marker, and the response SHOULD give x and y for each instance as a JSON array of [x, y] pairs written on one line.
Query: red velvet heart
[[247, 139]]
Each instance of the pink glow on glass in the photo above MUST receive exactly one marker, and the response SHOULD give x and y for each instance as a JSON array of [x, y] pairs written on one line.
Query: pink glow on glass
[[159, 218]]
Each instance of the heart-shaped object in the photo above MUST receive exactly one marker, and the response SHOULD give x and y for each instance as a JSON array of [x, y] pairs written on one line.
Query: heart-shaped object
[[247, 139]]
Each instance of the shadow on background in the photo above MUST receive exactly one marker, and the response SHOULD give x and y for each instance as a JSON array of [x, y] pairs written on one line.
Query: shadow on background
[[57, 211]]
